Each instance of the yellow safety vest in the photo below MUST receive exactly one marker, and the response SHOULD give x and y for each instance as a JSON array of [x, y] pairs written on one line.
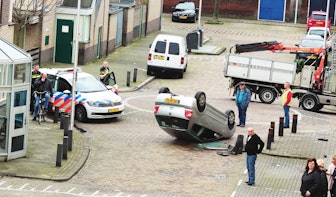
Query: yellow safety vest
[[284, 98]]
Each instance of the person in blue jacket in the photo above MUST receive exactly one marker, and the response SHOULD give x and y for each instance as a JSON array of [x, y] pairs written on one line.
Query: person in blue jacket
[[243, 98]]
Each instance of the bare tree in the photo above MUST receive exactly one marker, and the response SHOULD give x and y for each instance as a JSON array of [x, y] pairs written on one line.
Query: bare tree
[[27, 12], [216, 11]]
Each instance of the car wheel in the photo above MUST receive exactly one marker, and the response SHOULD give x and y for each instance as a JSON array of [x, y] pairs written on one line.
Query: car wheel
[[164, 90], [231, 119], [309, 102], [185, 69], [200, 101], [194, 20], [267, 95], [80, 113]]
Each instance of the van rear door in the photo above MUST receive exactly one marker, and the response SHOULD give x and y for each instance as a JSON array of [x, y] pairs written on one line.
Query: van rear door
[[159, 54], [173, 59]]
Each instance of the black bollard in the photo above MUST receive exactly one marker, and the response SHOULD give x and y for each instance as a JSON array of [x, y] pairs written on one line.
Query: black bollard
[[135, 75], [269, 138], [66, 124], [62, 120], [59, 155], [273, 128], [281, 124], [128, 78], [294, 124], [65, 147], [56, 114], [69, 140]]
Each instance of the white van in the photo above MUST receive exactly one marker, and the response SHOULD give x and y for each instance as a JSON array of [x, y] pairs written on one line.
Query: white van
[[167, 53]]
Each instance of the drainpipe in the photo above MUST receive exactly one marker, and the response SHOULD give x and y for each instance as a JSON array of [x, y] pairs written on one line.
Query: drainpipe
[[140, 21]]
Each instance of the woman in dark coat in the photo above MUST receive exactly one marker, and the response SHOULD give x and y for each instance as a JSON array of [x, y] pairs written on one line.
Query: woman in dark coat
[[311, 180]]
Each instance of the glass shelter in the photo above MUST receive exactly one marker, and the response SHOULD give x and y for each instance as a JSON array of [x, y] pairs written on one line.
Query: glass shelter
[[15, 83]]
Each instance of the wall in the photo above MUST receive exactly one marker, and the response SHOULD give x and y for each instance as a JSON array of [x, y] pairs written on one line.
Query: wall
[[153, 16]]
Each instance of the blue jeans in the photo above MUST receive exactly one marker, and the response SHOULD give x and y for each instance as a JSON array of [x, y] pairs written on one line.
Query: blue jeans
[[37, 102], [250, 165], [286, 110], [242, 114]]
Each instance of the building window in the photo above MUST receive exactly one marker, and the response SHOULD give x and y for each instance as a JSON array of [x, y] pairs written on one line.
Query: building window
[[72, 3]]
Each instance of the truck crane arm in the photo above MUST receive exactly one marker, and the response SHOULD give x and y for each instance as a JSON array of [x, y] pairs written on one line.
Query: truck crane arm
[[276, 46]]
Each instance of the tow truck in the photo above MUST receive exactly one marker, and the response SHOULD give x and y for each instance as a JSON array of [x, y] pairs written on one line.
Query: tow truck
[[314, 85]]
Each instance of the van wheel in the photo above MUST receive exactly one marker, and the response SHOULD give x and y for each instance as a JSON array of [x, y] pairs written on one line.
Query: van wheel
[[231, 119], [80, 113], [200, 101], [164, 90], [149, 72], [185, 69], [180, 75]]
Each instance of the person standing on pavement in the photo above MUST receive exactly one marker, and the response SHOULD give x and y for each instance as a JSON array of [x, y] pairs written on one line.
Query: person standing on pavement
[[104, 71], [36, 74], [243, 98], [286, 99], [311, 180], [254, 146], [331, 178], [324, 180]]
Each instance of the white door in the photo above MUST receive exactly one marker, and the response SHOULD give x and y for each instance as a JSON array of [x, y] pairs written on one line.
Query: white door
[[18, 126], [173, 56]]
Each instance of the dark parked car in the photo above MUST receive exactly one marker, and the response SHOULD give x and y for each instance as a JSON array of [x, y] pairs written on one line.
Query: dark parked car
[[185, 12]]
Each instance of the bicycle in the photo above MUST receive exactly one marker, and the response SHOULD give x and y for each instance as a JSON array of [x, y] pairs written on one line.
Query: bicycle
[[40, 113]]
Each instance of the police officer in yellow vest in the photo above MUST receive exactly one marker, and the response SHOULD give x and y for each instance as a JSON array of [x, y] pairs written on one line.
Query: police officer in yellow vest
[[36, 74], [286, 99]]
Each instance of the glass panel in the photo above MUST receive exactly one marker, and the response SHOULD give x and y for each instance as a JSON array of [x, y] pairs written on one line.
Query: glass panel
[[20, 98], [17, 143], [4, 113], [4, 74], [18, 121], [72, 3], [20, 73]]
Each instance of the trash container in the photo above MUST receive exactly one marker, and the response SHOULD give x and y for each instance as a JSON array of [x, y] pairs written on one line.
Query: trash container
[[193, 39]]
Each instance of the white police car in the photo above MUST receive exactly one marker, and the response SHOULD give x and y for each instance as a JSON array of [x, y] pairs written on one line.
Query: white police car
[[93, 99]]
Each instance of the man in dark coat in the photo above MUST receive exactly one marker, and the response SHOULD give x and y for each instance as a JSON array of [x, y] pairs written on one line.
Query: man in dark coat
[[254, 146], [42, 85]]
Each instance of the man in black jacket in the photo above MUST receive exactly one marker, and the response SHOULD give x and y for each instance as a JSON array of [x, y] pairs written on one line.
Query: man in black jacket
[[254, 146], [42, 85]]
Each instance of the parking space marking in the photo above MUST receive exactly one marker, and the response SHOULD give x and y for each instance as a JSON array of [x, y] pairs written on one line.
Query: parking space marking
[[137, 108]]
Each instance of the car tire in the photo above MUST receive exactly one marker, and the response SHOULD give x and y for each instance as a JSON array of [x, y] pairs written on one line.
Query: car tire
[[309, 102], [80, 113], [180, 75], [149, 72], [267, 95], [200, 101], [164, 90], [231, 119]]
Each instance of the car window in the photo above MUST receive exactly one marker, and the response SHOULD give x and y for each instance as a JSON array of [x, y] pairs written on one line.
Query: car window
[[160, 47], [185, 6], [62, 85], [52, 79], [311, 43], [89, 84], [174, 48], [318, 17]]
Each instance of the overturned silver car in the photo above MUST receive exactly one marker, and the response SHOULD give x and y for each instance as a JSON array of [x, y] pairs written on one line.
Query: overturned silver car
[[192, 118]]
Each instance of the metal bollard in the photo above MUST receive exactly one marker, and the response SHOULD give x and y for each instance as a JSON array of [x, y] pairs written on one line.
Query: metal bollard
[[59, 155], [269, 138], [273, 127], [65, 147], [56, 114], [128, 78], [70, 140], [66, 124], [294, 124], [62, 120], [281, 124], [135, 74]]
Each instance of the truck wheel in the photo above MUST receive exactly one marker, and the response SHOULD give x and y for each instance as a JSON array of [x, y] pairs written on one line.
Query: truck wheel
[[231, 118], [164, 90], [309, 102], [200, 101], [267, 95]]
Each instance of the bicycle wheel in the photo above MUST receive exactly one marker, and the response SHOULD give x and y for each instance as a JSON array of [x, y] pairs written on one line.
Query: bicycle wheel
[[40, 114]]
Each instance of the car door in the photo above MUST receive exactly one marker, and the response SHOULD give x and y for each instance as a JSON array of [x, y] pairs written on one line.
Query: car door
[[173, 57], [159, 53]]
